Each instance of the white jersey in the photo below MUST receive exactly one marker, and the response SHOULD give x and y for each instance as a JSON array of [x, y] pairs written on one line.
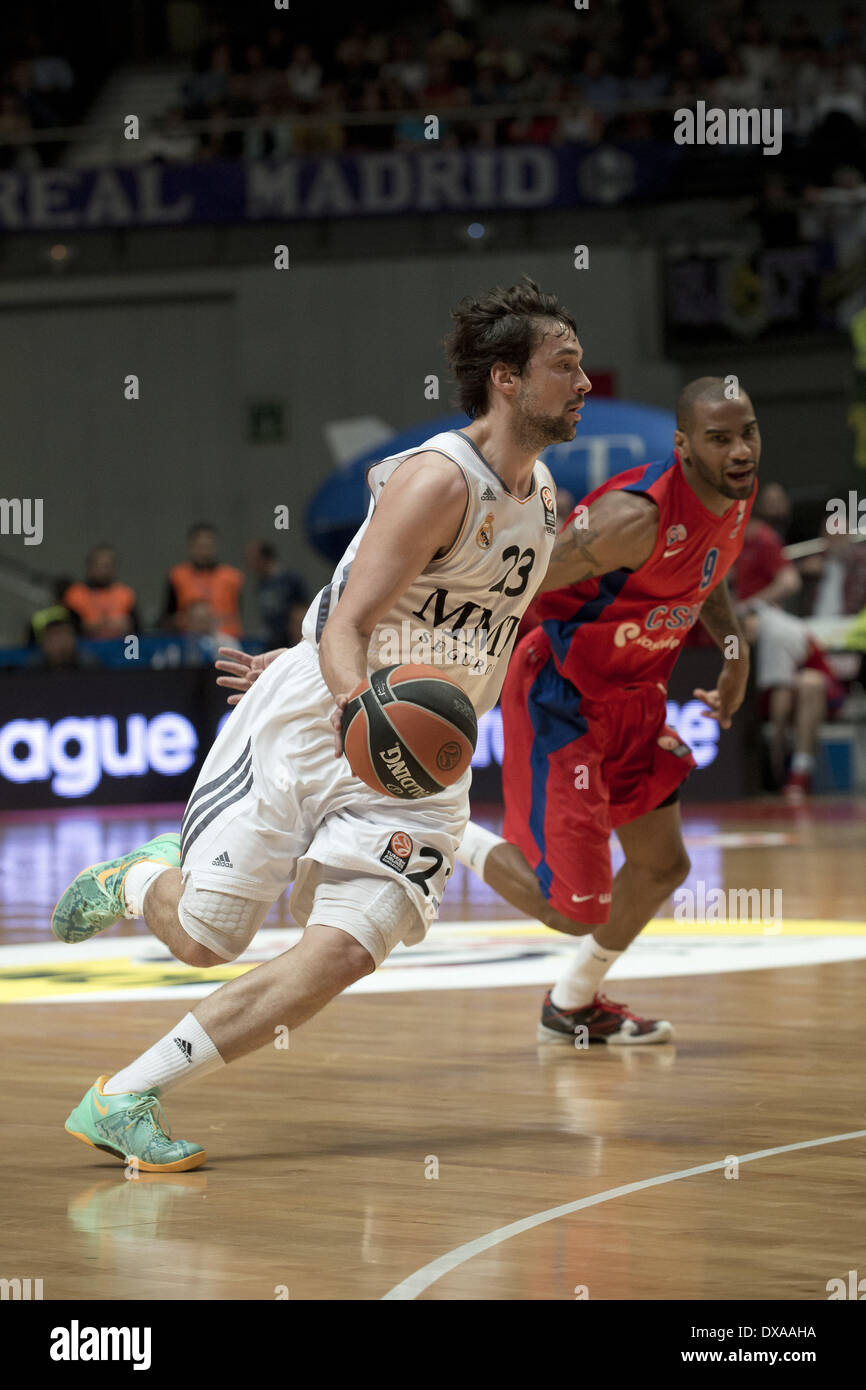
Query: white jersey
[[463, 610]]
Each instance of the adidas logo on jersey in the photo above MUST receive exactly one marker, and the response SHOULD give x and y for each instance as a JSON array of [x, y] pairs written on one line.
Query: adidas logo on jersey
[[488, 495], [185, 1047], [222, 861]]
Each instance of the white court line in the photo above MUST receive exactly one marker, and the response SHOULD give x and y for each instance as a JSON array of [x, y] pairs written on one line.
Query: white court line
[[422, 1278]]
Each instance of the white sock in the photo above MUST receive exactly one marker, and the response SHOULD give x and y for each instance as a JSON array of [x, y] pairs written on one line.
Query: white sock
[[185, 1049], [138, 880], [579, 982], [802, 762], [475, 847]]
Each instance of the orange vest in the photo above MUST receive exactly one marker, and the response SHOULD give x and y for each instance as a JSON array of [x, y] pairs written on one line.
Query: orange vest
[[100, 609], [219, 588]]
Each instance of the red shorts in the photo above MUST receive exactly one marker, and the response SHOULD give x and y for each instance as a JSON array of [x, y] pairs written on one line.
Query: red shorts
[[574, 769]]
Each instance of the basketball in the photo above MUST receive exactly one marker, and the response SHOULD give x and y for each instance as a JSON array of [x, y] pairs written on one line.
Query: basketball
[[409, 731]]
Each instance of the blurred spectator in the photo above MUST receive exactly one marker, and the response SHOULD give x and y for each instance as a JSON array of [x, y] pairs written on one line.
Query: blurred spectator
[[508, 63], [838, 213], [281, 594], [199, 620], [404, 65], [580, 125], [53, 80], [211, 84], [276, 49], [798, 692], [540, 83], [643, 84], [55, 634], [761, 572], [327, 137], [375, 135], [799, 40], [553, 27], [736, 86], [599, 87], [105, 607], [774, 506], [850, 37], [687, 76], [776, 214], [304, 76], [760, 56], [715, 49], [261, 79], [834, 582], [203, 579], [170, 140], [14, 122]]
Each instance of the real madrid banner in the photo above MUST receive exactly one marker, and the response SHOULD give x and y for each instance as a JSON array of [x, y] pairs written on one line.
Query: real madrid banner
[[368, 185]]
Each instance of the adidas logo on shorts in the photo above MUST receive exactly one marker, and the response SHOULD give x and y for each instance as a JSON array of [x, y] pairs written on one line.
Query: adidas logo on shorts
[[488, 495], [222, 861]]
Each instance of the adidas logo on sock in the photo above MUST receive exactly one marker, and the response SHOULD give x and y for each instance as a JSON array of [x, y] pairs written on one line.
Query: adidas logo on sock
[[222, 861], [185, 1047], [488, 495]]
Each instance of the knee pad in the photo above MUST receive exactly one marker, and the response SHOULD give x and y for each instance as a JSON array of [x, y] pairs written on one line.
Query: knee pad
[[223, 922], [377, 912]]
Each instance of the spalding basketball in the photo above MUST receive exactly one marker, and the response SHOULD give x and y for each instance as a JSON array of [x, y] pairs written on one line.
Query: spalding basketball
[[409, 731]]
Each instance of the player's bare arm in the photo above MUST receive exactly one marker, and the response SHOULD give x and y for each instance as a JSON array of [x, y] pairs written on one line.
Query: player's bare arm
[[418, 515], [720, 621], [618, 531]]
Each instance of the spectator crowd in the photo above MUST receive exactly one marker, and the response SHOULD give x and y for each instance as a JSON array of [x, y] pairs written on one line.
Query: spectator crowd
[[201, 602], [613, 70]]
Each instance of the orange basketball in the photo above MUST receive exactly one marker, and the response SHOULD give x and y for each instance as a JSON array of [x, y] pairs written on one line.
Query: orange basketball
[[409, 731]]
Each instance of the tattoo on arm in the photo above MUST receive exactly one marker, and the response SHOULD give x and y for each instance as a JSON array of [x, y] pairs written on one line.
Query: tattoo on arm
[[718, 617], [574, 548]]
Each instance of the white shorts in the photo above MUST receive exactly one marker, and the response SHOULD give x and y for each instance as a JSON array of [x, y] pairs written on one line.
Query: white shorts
[[272, 805], [783, 645]]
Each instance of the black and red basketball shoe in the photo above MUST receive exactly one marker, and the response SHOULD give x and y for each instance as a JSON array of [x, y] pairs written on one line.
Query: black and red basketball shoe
[[602, 1021]]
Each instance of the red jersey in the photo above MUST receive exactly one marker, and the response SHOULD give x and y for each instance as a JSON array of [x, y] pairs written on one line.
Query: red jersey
[[762, 558], [624, 629]]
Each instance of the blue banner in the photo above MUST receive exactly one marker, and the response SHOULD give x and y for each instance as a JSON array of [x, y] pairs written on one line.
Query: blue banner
[[395, 182], [613, 435]]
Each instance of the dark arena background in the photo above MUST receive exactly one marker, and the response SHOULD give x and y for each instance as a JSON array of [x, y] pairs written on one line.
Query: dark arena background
[[232, 236]]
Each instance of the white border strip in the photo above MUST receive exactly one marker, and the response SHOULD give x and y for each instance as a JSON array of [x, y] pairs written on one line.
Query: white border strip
[[422, 1278]]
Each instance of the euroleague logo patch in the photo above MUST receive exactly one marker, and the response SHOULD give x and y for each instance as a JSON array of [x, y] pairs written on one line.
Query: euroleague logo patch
[[675, 533], [398, 851], [549, 510], [448, 756]]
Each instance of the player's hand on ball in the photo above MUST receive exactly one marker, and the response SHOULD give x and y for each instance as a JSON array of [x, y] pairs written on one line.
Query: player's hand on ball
[[243, 670], [337, 721]]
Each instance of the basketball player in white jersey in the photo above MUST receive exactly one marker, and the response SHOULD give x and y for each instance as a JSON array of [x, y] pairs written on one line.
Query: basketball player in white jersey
[[455, 544]]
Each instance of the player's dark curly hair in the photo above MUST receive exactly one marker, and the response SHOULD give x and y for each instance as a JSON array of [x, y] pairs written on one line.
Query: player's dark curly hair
[[501, 325]]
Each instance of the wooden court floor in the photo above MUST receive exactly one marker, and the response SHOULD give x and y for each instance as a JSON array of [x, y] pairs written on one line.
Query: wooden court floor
[[394, 1144]]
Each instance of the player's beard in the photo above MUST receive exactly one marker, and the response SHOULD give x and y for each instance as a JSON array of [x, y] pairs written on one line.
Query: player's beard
[[720, 483], [533, 431]]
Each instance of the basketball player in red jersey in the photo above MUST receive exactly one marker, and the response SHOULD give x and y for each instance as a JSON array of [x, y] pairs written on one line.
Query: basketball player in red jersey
[[587, 749]]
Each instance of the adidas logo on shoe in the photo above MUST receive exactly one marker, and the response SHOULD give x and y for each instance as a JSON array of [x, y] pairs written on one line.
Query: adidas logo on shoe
[[185, 1047], [222, 861], [488, 495]]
